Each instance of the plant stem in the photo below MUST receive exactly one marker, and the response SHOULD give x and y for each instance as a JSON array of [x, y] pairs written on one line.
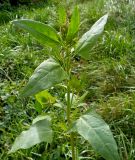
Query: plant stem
[[69, 105], [72, 146], [69, 122]]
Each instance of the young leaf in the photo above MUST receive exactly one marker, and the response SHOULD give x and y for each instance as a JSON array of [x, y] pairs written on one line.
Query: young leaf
[[89, 38], [39, 131], [97, 132], [62, 15], [45, 34], [45, 97], [46, 75], [74, 24]]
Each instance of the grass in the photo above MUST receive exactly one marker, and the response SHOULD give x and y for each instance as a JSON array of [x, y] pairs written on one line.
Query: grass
[[109, 78]]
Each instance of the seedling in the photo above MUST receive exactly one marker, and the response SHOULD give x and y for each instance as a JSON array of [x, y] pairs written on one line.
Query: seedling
[[58, 69]]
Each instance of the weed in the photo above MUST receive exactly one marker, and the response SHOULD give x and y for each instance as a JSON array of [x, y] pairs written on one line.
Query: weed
[[53, 71], [108, 78]]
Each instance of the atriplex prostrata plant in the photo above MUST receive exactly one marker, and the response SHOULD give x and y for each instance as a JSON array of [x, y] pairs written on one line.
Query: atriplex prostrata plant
[[58, 69]]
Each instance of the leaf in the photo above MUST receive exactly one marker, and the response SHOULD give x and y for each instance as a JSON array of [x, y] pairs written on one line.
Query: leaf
[[62, 15], [46, 75], [74, 24], [89, 38], [45, 97], [41, 117], [97, 132], [39, 131], [45, 34]]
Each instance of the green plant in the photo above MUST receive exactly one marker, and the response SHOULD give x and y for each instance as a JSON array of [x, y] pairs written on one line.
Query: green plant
[[58, 69]]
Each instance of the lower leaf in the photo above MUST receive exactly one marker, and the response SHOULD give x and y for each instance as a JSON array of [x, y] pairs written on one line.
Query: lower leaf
[[93, 128], [40, 131]]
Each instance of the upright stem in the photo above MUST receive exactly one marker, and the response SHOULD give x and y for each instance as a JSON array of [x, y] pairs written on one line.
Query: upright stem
[[68, 104], [72, 146], [69, 107], [69, 122]]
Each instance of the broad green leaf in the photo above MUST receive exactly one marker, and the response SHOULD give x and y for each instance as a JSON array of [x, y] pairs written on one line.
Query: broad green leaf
[[40, 131], [45, 97], [93, 128], [41, 117], [88, 39], [74, 24], [45, 34], [46, 75]]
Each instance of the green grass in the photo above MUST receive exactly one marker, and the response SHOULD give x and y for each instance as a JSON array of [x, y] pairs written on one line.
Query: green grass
[[109, 78]]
